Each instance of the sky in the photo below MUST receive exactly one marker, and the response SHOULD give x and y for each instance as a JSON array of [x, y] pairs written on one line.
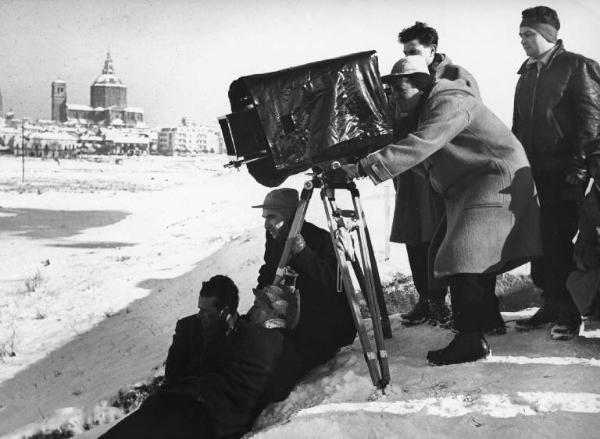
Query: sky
[[178, 57]]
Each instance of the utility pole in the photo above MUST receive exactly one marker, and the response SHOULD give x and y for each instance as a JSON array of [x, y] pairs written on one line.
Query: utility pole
[[22, 151]]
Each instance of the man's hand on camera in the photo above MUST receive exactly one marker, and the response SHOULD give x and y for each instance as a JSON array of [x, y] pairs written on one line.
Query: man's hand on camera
[[298, 245], [353, 170]]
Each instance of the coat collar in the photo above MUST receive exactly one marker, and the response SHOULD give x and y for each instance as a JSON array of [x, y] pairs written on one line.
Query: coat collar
[[558, 50], [440, 61]]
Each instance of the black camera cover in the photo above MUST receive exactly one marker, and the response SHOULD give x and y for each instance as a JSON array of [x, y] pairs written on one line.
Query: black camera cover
[[328, 110]]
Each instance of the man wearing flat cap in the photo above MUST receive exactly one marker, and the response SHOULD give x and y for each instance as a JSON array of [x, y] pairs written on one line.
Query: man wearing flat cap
[[478, 167], [325, 323], [556, 114]]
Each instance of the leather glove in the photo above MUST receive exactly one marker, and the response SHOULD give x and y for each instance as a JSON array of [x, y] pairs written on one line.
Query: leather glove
[[298, 245]]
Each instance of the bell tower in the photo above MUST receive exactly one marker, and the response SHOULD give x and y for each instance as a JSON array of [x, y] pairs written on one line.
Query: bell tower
[[59, 100]]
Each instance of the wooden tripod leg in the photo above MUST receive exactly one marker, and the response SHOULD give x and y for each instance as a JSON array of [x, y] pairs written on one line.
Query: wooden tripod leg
[[385, 319], [295, 228], [371, 291], [369, 354]]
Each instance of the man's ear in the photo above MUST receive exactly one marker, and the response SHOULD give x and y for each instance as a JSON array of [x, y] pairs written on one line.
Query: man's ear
[[225, 313]]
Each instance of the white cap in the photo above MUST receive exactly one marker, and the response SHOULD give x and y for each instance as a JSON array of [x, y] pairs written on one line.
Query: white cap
[[408, 65]]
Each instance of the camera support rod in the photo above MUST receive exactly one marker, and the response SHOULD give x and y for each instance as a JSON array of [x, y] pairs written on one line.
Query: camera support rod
[[367, 274]]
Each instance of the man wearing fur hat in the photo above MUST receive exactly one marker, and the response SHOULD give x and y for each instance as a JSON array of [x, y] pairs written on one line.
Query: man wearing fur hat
[[556, 113], [325, 322]]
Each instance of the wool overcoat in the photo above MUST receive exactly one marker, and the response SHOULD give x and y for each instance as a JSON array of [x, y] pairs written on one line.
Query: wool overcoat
[[480, 169], [419, 210]]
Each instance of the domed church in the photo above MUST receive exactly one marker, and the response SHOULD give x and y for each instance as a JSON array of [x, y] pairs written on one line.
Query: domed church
[[108, 102]]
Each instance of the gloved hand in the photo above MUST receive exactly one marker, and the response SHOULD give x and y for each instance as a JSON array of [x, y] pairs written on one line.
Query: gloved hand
[[576, 175], [298, 245], [351, 170]]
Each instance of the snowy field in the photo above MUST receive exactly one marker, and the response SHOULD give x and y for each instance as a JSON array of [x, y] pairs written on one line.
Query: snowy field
[[80, 240], [99, 259]]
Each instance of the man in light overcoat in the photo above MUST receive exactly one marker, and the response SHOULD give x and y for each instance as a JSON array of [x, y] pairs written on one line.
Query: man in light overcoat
[[482, 173]]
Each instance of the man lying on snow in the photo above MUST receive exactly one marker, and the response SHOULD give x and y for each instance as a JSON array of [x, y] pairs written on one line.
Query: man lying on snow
[[325, 322], [220, 368]]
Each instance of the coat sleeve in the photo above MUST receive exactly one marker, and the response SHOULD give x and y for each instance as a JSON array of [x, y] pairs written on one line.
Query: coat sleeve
[[515, 118], [266, 273], [441, 122], [586, 100], [178, 357], [587, 250], [318, 264]]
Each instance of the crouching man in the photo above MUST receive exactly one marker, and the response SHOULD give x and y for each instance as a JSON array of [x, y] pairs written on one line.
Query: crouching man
[[219, 370], [480, 169], [325, 323]]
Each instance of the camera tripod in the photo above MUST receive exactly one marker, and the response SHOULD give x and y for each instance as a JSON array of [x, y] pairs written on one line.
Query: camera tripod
[[343, 237]]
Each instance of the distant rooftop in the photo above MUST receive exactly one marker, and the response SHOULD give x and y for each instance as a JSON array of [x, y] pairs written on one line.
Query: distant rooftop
[[79, 107]]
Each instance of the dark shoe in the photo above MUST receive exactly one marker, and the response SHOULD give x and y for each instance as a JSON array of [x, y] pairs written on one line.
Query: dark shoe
[[417, 315], [548, 313], [465, 347], [568, 323], [591, 323], [439, 314]]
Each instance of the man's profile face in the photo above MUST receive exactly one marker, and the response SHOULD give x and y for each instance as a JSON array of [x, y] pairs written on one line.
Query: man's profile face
[[274, 222], [533, 43], [414, 47], [208, 311], [406, 95]]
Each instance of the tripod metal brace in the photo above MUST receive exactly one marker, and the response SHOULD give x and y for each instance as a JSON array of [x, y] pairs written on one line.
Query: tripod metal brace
[[366, 274]]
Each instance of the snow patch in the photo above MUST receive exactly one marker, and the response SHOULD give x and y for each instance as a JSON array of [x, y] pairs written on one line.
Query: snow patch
[[499, 406], [554, 361]]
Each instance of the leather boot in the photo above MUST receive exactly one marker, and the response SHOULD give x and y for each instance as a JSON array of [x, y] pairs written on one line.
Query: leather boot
[[465, 347], [417, 315], [548, 313]]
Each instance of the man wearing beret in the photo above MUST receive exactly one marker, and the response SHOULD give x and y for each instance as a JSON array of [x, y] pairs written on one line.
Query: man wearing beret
[[556, 114], [325, 323]]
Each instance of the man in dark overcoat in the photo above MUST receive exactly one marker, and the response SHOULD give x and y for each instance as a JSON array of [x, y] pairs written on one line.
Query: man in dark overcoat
[[481, 171], [219, 373], [556, 113], [325, 323]]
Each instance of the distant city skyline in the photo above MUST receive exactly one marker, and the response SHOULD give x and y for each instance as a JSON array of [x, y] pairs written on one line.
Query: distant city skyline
[[178, 58]]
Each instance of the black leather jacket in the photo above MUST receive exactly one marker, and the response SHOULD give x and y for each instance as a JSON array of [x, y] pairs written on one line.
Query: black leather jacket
[[557, 111]]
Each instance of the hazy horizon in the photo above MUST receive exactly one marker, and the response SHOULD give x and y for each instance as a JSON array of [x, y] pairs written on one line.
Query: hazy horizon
[[178, 58]]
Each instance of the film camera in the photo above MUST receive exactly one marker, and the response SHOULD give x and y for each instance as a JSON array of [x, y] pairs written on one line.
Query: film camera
[[288, 121]]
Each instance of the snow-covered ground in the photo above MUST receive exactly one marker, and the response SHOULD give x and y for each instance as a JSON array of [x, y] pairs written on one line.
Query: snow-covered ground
[[75, 246], [80, 239], [99, 259]]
